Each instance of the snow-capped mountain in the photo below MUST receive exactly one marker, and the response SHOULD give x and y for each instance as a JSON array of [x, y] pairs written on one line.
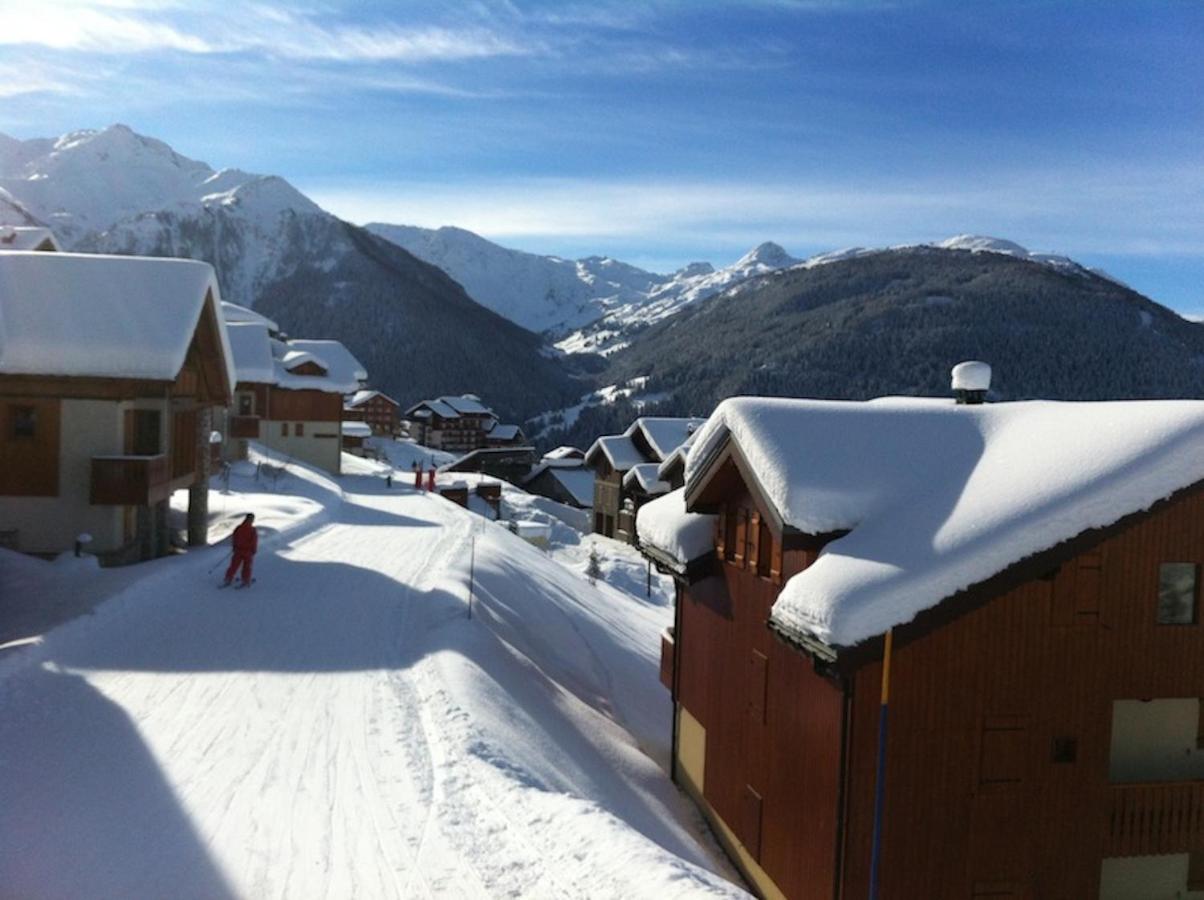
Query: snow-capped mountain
[[115, 191], [596, 304], [585, 304]]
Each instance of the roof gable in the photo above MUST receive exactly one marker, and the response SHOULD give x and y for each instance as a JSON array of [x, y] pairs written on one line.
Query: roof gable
[[935, 497]]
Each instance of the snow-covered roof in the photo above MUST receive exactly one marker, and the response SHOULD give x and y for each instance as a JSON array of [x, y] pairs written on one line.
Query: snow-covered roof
[[344, 372], [681, 537], [437, 407], [619, 451], [362, 397], [579, 482], [564, 452], [356, 429], [665, 435], [645, 477], [293, 359], [91, 315], [252, 350], [467, 405], [233, 313], [27, 237], [938, 497], [504, 432]]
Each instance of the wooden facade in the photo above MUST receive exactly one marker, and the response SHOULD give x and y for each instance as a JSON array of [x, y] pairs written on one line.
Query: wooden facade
[[380, 412], [103, 454], [1002, 724]]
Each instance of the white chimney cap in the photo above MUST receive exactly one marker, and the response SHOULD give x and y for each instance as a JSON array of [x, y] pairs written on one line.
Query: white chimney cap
[[972, 376]]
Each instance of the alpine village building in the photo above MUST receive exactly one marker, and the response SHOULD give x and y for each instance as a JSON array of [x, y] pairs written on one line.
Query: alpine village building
[[110, 367], [562, 475], [380, 411], [927, 650], [289, 394], [459, 425], [647, 442]]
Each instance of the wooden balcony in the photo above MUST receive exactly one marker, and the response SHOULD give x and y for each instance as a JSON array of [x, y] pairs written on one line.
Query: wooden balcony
[[1154, 819], [130, 480], [244, 427]]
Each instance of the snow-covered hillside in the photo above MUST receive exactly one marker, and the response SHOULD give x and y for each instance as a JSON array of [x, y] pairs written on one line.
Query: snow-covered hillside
[[588, 304], [594, 305], [343, 728]]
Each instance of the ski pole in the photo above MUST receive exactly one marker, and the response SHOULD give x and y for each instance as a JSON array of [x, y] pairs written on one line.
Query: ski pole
[[219, 562]]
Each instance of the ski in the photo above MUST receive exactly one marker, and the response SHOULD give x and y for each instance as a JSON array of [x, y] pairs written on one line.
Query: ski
[[243, 584]]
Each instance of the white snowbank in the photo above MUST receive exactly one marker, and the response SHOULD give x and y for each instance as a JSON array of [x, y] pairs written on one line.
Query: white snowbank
[[939, 497], [664, 525], [344, 728]]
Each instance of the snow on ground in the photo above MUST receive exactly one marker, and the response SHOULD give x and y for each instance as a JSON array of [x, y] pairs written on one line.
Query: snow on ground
[[343, 728]]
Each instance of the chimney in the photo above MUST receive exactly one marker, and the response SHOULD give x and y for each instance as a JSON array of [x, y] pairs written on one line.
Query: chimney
[[971, 381]]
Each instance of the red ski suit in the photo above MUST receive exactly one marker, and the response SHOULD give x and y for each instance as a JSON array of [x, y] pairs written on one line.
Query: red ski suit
[[246, 542]]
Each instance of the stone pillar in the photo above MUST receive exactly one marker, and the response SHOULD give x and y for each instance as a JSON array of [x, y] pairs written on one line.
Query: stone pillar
[[198, 492]]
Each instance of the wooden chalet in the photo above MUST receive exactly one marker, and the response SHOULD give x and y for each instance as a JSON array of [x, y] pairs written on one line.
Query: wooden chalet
[[648, 440], [459, 425], [380, 411], [109, 369], [289, 395], [562, 476], [933, 651]]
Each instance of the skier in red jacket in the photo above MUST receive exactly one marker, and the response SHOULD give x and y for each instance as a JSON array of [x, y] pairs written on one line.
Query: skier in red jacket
[[246, 542]]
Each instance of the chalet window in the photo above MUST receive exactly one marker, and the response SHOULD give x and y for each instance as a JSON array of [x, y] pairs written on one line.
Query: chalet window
[[729, 534], [246, 404], [1065, 750], [146, 432], [284, 429], [299, 429], [1178, 593], [24, 421], [764, 551]]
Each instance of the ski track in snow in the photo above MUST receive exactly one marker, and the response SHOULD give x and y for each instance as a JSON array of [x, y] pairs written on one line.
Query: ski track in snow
[[304, 738]]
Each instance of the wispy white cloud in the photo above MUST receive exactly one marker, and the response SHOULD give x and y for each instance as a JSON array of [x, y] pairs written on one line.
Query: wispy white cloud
[[1060, 211], [117, 27]]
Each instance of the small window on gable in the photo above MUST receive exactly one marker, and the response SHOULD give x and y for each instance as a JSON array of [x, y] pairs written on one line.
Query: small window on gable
[[1178, 593], [246, 404], [24, 421], [729, 537], [765, 551]]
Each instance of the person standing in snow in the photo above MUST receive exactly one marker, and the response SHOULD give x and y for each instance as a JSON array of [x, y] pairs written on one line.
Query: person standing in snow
[[246, 543], [417, 475]]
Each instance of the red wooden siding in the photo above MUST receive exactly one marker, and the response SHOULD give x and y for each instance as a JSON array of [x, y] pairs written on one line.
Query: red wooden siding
[[976, 796], [773, 726]]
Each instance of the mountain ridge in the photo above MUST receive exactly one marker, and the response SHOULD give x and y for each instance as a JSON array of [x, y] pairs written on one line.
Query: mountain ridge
[[115, 191]]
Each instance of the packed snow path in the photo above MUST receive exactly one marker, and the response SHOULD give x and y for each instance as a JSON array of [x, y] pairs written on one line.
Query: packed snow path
[[340, 729]]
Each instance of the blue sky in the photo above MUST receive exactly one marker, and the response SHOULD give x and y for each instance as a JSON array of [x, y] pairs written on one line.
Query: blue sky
[[665, 132]]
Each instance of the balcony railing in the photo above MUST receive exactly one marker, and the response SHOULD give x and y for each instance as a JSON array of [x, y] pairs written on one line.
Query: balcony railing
[[244, 427], [1155, 818], [130, 480]]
